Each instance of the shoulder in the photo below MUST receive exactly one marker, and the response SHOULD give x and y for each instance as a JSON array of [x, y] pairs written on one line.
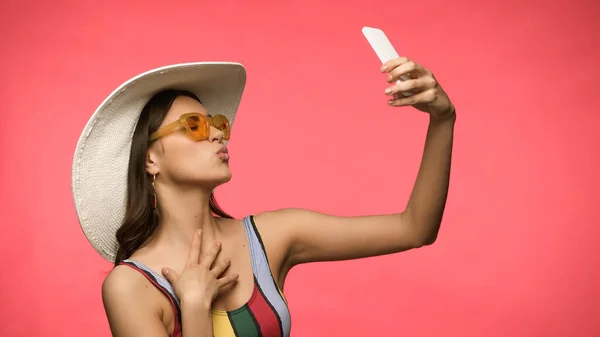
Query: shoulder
[[283, 225], [282, 217], [122, 281], [276, 223], [289, 222], [275, 228], [126, 287], [131, 304]]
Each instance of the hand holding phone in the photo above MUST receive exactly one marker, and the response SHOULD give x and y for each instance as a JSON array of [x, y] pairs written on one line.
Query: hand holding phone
[[383, 48]]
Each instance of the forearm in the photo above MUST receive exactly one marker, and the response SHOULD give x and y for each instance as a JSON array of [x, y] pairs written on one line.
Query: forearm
[[428, 198], [196, 320]]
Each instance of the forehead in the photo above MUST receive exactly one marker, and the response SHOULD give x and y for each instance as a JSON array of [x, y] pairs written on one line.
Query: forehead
[[184, 104]]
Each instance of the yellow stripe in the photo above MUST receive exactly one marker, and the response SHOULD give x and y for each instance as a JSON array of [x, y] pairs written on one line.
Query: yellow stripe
[[221, 326]]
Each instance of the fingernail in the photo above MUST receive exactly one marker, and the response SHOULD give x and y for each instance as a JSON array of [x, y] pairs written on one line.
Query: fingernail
[[390, 102], [383, 68], [388, 91], [389, 78]]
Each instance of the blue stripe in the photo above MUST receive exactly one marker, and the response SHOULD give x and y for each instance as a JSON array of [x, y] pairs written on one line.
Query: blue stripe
[[158, 278]]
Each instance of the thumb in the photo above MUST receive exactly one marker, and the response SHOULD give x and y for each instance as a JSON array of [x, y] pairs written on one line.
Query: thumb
[[170, 275]]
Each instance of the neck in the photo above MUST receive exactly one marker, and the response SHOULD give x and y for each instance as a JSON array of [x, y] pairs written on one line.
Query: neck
[[182, 213]]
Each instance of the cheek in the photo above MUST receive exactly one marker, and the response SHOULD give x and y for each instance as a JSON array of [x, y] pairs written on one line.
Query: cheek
[[189, 159]]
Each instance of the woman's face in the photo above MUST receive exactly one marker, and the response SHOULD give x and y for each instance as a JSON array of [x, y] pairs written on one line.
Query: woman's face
[[178, 159]]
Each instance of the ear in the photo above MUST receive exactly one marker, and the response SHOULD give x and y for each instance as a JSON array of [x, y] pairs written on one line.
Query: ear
[[152, 162]]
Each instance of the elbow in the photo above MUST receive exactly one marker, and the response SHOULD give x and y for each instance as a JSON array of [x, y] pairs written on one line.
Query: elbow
[[425, 232], [425, 238], [429, 240]]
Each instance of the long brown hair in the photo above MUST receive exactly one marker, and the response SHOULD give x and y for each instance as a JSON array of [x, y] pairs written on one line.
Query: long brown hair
[[141, 219]]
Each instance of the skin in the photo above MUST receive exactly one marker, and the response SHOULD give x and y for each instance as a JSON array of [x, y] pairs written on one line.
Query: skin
[[207, 258]]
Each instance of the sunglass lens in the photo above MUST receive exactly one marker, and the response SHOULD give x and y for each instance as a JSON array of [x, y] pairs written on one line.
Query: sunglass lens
[[197, 126], [222, 123]]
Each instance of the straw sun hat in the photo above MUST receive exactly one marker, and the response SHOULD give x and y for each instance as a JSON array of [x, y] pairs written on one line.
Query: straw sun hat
[[100, 163]]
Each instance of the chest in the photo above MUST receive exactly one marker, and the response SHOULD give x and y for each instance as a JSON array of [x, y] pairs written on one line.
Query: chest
[[239, 293], [255, 305]]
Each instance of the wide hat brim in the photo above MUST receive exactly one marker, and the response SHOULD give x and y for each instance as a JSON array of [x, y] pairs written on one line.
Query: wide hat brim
[[100, 163]]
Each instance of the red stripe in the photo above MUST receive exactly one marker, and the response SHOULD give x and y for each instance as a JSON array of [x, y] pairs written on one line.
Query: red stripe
[[265, 315], [176, 328]]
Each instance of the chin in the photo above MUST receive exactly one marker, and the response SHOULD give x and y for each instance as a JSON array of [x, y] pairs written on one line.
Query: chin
[[222, 177], [227, 178]]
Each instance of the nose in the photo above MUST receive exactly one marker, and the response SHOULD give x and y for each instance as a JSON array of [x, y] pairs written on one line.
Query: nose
[[216, 135]]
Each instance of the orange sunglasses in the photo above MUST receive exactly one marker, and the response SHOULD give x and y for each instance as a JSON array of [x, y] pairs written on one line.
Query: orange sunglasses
[[197, 126]]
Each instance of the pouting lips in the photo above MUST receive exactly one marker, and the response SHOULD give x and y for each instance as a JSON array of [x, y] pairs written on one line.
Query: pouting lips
[[223, 153]]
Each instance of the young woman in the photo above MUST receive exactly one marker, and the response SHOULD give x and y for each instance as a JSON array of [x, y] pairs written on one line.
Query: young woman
[[144, 173]]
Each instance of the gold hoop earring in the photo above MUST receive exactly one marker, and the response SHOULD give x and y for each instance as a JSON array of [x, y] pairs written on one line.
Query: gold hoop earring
[[154, 191]]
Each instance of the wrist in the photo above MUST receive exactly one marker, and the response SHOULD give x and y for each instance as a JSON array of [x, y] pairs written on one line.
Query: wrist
[[196, 305], [196, 318], [449, 117]]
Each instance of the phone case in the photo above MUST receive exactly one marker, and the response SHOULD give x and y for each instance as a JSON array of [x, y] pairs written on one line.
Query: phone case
[[380, 44]]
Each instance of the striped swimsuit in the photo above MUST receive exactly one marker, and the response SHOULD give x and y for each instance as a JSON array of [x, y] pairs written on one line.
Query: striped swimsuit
[[266, 313]]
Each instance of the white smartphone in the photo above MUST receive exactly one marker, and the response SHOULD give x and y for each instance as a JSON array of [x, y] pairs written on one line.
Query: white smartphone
[[383, 48]]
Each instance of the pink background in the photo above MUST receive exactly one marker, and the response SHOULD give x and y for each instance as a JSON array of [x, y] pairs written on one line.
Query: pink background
[[516, 254]]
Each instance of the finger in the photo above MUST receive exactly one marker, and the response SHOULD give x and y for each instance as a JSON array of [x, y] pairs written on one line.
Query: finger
[[427, 96], [227, 280], [403, 71], [211, 255], [220, 268], [393, 63], [413, 86], [194, 256], [170, 275]]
